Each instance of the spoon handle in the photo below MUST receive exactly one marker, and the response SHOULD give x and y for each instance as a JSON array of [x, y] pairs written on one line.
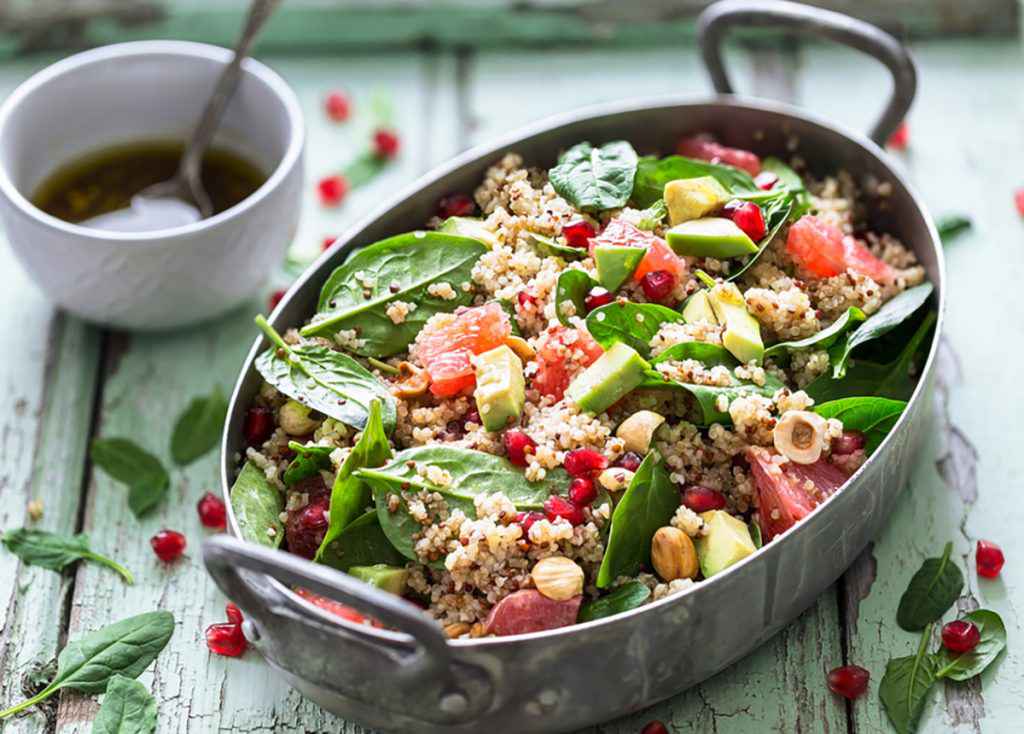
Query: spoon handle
[[259, 12]]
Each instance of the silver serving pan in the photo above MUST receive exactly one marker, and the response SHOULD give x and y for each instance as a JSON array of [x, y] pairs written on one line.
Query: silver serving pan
[[412, 678]]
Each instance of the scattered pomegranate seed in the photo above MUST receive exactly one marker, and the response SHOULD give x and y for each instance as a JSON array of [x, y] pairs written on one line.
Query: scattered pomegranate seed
[[275, 298], [527, 519], [654, 727], [559, 507], [584, 462], [849, 681], [327, 242], [168, 545], [630, 461], [703, 499], [900, 138], [258, 426], [226, 639], [766, 180], [234, 613], [385, 143], [658, 285], [849, 443], [960, 636], [212, 512], [748, 217], [525, 298], [989, 559], [338, 106], [1018, 199], [582, 491], [517, 446], [578, 233], [332, 189], [597, 297], [456, 205]]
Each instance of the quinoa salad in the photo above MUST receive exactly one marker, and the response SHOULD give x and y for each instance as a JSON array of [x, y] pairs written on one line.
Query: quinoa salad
[[587, 387]]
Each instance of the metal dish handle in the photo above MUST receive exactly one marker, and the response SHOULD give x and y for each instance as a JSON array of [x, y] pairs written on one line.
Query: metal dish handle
[[717, 19]]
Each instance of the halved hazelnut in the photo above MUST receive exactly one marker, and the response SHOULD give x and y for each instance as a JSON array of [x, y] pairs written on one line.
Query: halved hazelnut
[[800, 436], [413, 381], [638, 430]]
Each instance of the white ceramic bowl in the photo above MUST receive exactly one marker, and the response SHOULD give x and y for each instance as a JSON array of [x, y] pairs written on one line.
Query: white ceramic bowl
[[137, 91]]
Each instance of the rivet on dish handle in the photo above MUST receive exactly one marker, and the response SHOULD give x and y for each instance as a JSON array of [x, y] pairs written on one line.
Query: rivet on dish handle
[[717, 19]]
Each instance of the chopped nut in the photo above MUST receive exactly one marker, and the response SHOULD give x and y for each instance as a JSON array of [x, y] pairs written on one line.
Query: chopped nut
[[638, 430], [615, 479], [673, 554], [457, 629], [478, 630], [414, 381], [294, 419], [558, 578], [800, 436], [521, 347]]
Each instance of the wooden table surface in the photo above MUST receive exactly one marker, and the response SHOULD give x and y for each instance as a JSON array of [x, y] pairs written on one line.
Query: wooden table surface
[[68, 381]]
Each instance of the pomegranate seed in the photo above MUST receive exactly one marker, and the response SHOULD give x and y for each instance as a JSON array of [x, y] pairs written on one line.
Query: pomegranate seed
[[226, 639], [275, 298], [471, 417], [313, 515], [525, 298], [456, 205], [766, 180], [654, 727], [849, 443], [332, 190], [328, 241], [559, 507], [518, 445], [900, 138], [338, 106], [1018, 199], [527, 519], [748, 217], [584, 462], [168, 545], [212, 512], [385, 143], [849, 681], [960, 636], [630, 461], [597, 297], [703, 499], [258, 426], [989, 559], [234, 613], [582, 491], [658, 285], [578, 233]]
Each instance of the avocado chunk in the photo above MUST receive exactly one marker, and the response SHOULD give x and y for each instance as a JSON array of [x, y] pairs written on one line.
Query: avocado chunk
[[616, 263], [500, 387], [711, 237], [742, 336], [383, 576], [616, 373], [726, 541], [697, 309], [693, 198], [469, 227]]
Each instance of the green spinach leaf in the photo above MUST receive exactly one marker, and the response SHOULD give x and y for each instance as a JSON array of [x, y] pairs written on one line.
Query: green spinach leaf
[[127, 708], [973, 663], [952, 226], [647, 504], [308, 461], [776, 213], [932, 590], [874, 417], [124, 461], [56, 552], [905, 686], [792, 182], [653, 173], [595, 179], [633, 324], [630, 595], [358, 294], [572, 288], [325, 380], [199, 427], [361, 543], [123, 648], [257, 507], [823, 339], [550, 248]]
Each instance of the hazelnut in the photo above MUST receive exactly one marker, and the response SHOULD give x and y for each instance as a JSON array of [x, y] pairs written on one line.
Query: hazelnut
[[294, 418], [558, 578], [458, 629], [413, 381], [615, 479], [638, 430], [673, 554], [800, 436]]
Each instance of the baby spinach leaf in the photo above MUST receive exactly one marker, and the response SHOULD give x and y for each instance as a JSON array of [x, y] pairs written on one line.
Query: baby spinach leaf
[[791, 180], [630, 595], [323, 379], [127, 708], [652, 216], [309, 460], [257, 507], [874, 417], [199, 427], [905, 686], [823, 339], [358, 294], [550, 248], [932, 590], [973, 663], [755, 534], [124, 648], [633, 324], [572, 288], [361, 543], [595, 179], [56, 552], [776, 213], [653, 173], [647, 504], [124, 461], [350, 495], [952, 226]]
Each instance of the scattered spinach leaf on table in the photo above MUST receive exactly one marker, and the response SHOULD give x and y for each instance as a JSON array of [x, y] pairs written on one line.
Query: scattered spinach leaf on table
[[905, 686], [874, 417], [127, 708], [56, 552], [952, 226], [595, 179], [124, 461], [572, 287], [257, 507], [199, 427], [961, 667], [308, 461], [633, 324], [630, 595], [932, 590]]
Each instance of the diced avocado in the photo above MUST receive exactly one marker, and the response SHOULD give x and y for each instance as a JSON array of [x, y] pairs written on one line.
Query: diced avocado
[[711, 237], [615, 264], [697, 309], [383, 576], [469, 227], [500, 387], [742, 336], [726, 541], [693, 198], [616, 373]]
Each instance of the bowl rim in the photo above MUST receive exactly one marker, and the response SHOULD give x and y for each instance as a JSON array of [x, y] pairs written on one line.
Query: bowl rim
[[168, 49]]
